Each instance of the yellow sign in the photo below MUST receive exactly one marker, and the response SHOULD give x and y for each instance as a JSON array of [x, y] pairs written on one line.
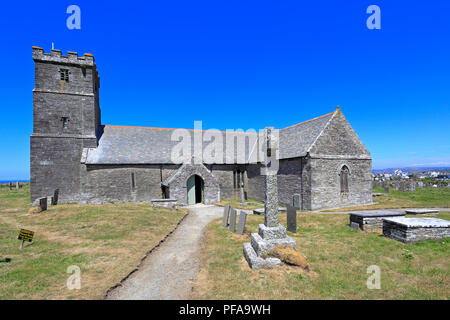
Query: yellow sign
[[25, 235]]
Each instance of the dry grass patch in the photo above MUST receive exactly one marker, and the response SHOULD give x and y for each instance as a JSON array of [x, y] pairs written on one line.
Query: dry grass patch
[[105, 241], [338, 256]]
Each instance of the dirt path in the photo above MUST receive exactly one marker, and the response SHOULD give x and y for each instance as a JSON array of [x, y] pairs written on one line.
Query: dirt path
[[168, 272]]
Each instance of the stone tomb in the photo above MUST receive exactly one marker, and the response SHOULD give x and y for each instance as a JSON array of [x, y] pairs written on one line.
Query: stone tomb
[[164, 203], [421, 211], [415, 229], [371, 220]]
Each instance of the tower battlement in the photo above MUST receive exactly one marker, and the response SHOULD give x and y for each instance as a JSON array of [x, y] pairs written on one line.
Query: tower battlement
[[56, 56]]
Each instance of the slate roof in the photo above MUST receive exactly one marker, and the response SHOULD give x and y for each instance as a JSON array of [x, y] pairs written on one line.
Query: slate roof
[[141, 145]]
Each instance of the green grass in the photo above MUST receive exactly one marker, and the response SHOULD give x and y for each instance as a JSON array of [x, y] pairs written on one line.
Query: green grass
[[236, 203], [105, 241], [338, 256]]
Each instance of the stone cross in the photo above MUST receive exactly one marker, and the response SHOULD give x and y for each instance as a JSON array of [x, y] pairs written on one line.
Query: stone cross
[[270, 180]]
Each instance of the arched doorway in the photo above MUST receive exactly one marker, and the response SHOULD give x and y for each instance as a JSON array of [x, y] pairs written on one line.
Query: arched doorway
[[195, 187]]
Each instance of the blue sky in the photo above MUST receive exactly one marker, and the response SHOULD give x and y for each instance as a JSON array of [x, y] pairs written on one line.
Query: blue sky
[[244, 64]]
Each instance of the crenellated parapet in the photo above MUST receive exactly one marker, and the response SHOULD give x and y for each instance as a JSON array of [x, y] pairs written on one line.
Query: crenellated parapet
[[57, 57]]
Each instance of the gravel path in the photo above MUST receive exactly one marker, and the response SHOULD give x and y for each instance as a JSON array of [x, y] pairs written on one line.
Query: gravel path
[[168, 272]]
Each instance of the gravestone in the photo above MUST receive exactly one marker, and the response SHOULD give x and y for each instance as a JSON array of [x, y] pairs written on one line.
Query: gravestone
[[243, 203], [226, 214], [386, 188], [17, 185], [43, 203], [10, 186], [296, 201], [55, 197], [232, 226], [291, 219], [241, 224], [270, 234], [420, 184]]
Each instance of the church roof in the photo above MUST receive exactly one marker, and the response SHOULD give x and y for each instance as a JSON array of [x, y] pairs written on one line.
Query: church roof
[[142, 145]]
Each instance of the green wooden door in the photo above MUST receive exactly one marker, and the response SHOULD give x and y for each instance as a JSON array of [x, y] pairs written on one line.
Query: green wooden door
[[191, 190]]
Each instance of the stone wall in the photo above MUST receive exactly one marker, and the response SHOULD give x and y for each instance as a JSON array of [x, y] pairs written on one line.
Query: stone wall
[[325, 183], [105, 183]]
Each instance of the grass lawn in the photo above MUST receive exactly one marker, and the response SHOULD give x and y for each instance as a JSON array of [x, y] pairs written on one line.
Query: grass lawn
[[421, 198], [236, 203], [339, 257], [105, 241]]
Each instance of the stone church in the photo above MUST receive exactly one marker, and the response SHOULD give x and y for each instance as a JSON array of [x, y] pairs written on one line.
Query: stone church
[[322, 160]]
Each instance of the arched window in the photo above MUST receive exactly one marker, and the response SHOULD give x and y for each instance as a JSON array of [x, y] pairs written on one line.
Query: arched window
[[344, 179]]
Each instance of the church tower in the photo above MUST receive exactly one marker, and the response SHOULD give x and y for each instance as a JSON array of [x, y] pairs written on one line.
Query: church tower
[[66, 119]]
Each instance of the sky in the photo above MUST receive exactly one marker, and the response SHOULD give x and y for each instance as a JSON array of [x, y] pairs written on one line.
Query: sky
[[244, 64]]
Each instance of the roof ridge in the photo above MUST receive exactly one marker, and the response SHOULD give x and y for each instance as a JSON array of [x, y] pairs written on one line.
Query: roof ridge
[[323, 116], [156, 128]]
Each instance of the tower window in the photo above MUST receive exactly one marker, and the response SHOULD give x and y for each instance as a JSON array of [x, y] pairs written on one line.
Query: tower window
[[64, 74], [65, 122]]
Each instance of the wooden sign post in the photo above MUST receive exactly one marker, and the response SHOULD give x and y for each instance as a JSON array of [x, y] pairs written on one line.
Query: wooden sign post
[[25, 235]]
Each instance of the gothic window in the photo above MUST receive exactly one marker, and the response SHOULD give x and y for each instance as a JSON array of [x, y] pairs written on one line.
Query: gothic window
[[344, 179], [64, 74]]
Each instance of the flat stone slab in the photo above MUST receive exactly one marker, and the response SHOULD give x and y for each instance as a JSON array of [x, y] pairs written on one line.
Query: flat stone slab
[[415, 229], [379, 194], [420, 222], [371, 220], [421, 211], [261, 210], [376, 213]]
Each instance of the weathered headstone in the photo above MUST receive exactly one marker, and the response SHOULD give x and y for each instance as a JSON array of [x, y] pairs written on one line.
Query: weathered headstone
[[232, 225], [17, 185], [386, 188], [55, 197], [420, 184], [241, 224], [296, 201], [226, 214], [243, 203], [270, 234], [43, 203], [291, 219]]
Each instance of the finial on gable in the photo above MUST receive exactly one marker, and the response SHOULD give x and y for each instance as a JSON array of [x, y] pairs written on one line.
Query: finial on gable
[[338, 109]]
